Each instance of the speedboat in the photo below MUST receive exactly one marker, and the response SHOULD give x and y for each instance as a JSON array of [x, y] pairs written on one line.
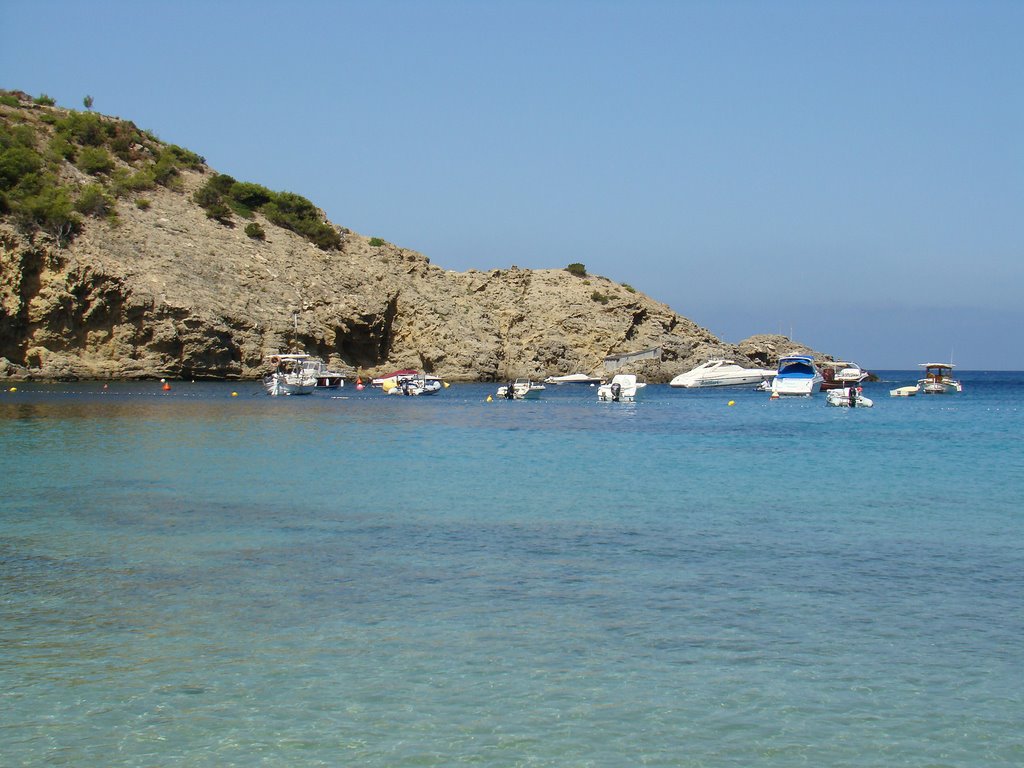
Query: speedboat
[[323, 376], [520, 389], [408, 381], [622, 388], [903, 392], [840, 375], [289, 375], [850, 397], [797, 375], [938, 379], [414, 385], [573, 378], [721, 373]]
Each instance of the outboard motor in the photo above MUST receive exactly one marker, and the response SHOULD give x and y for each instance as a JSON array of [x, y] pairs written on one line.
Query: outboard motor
[[616, 392]]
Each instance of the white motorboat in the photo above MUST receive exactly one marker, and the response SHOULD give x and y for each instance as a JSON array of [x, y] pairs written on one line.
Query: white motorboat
[[797, 376], [840, 375], [850, 397], [903, 392], [289, 375], [520, 389], [623, 388], [938, 379], [408, 381], [324, 377], [721, 373], [415, 385], [573, 378]]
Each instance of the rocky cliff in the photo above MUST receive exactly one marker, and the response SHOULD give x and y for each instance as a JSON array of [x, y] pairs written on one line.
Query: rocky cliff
[[158, 286]]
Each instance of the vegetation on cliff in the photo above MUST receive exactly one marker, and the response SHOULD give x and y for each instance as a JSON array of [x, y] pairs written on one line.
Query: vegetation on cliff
[[58, 165]]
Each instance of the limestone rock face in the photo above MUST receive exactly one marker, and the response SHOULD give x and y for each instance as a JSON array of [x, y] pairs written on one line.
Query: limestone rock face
[[165, 291]]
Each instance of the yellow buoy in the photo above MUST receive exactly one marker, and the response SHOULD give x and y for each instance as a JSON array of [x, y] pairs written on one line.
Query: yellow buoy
[[13, 389], [732, 402], [490, 399], [234, 394], [446, 385]]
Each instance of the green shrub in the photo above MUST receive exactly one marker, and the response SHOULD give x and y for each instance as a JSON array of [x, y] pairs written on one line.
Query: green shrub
[[376, 242], [44, 100], [255, 231], [185, 158], [252, 196], [576, 269], [207, 195], [15, 164], [299, 215], [219, 212], [87, 102], [83, 128], [93, 201], [629, 287], [220, 183], [599, 297], [51, 210], [143, 204], [122, 181], [164, 170], [94, 160], [60, 148], [9, 100]]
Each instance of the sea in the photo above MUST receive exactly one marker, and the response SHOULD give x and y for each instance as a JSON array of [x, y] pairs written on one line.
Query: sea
[[208, 576]]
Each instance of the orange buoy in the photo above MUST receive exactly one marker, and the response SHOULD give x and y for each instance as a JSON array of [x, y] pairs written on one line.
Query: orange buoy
[[166, 386]]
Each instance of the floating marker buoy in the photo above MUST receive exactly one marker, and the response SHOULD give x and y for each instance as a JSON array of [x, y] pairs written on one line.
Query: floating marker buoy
[[360, 387], [13, 389], [166, 386], [234, 394], [104, 386], [732, 402], [490, 399], [446, 385], [359, 381]]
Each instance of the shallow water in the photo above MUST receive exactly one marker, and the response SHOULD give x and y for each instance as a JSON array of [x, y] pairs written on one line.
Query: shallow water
[[191, 579]]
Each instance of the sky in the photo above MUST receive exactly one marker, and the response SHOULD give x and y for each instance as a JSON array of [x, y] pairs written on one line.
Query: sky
[[850, 174]]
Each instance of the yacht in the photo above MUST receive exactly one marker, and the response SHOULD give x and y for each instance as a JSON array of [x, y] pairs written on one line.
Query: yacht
[[721, 373], [938, 379], [573, 378], [797, 375]]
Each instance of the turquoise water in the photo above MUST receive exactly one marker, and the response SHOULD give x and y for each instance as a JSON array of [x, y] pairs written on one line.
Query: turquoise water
[[193, 579]]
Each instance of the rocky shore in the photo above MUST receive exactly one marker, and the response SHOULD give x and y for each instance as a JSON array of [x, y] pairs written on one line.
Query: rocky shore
[[161, 289]]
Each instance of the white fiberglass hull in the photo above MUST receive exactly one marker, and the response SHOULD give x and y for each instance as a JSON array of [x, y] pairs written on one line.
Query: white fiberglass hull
[[930, 387], [278, 385], [841, 398], [748, 377], [623, 388], [787, 387]]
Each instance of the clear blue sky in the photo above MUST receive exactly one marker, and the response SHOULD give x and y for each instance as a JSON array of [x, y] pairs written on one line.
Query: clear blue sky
[[850, 172]]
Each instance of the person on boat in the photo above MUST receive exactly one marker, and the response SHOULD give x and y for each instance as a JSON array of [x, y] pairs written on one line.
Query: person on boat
[[510, 391]]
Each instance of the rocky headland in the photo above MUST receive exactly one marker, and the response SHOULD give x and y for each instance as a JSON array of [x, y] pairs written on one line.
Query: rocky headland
[[147, 263]]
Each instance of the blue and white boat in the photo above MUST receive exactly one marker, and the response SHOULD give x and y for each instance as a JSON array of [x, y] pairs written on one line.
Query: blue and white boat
[[797, 375]]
